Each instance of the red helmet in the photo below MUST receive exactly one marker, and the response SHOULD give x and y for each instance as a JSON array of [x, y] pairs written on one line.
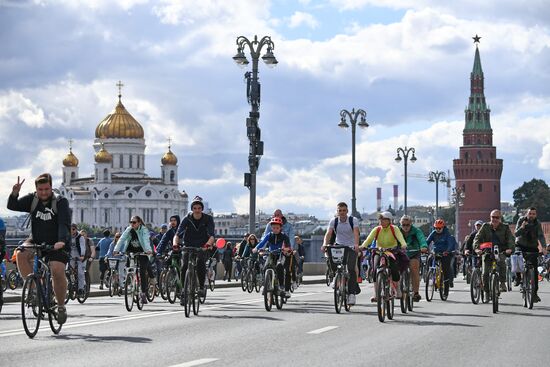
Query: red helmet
[[276, 220], [439, 223]]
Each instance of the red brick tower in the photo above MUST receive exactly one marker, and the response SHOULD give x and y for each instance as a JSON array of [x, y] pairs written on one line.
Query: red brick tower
[[478, 170]]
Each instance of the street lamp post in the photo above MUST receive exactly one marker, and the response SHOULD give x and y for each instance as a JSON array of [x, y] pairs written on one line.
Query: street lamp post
[[253, 131], [458, 200], [405, 151], [436, 176], [353, 115]]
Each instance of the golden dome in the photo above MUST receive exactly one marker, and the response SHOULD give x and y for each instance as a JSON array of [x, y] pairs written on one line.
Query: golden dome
[[169, 158], [103, 156], [70, 160], [119, 124]]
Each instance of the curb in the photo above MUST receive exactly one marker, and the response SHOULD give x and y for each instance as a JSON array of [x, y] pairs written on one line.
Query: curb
[[103, 293]]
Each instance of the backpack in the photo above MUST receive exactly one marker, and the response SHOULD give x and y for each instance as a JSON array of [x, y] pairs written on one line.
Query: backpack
[[333, 237], [379, 228]]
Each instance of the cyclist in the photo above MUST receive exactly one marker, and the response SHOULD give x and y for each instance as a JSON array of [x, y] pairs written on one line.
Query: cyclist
[[416, 244], [443, 244], [528, 241], [468, 247], [195, 230], [167, 239], [300, 253], [135, 239], [50, 222], [388, 237], [345, 233], [79, 253], [121, 264], [277, 240], [102, 247], [500, 235]]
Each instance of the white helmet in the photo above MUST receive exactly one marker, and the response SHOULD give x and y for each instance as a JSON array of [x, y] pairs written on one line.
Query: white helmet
[[386, 215]]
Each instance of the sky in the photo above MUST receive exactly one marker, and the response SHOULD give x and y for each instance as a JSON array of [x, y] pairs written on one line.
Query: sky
[[407, 63]]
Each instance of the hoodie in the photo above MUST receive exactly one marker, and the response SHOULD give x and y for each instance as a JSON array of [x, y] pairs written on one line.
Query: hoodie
[[287, 229], [442, 242], [166, 241]]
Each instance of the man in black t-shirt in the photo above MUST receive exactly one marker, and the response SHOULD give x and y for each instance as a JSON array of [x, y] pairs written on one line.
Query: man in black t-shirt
[[50, 223], [196, 230]]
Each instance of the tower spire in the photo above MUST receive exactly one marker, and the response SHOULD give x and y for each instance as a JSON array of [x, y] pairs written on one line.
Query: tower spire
[[119, 85]]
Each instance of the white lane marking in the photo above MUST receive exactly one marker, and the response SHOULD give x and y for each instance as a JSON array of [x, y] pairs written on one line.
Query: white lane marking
[[143, 316], [322, 330], [196, 362]]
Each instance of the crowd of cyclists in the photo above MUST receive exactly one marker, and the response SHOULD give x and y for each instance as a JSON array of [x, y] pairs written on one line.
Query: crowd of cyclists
[[180, 261]]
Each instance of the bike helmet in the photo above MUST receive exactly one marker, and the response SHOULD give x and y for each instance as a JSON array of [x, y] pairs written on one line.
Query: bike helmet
[[478, 223], [276, 220], [385, 215], [439, 223]]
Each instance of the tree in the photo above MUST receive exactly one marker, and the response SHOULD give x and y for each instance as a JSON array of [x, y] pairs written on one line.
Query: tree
[[534, 193]]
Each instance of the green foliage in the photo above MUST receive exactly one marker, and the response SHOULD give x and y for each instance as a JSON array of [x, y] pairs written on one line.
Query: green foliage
[[534, 193]]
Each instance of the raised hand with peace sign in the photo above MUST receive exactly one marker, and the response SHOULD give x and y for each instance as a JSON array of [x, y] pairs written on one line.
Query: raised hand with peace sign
[[17, 187]]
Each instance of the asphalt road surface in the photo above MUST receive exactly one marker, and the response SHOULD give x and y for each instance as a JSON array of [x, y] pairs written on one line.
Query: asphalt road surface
[[234, 329]]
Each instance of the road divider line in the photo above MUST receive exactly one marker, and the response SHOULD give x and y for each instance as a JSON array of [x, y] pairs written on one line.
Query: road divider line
[[322, 330], [196, 362]]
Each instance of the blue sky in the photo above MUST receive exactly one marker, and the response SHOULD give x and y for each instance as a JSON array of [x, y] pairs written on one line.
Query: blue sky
[[407, 63]]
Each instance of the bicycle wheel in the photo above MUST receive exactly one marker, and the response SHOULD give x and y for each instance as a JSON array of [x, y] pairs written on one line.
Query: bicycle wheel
[[195, 295], [381, 296], [410, 301], [268, 291], [508, 279], [338, 299], [244, 277], [279, 299], [494, 291], [443, 287], [475, 286], [137, 291], [390, 306], [430, 285], [12, 279], [202, 299], [187, 294], [129, 291], [113, 282], [151, 291], [81, 298], [250, 280], [529, 287], [162, 285], [31, 306], [171, 285], [345, 293], [52, 312], [403, 301]]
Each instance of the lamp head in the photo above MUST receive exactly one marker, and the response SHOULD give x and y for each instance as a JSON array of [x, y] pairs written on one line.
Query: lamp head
[[269, 58], [343, 124]]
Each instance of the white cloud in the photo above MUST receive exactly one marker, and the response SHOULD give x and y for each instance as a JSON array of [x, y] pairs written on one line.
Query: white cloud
[[14, 107], [302, 19]]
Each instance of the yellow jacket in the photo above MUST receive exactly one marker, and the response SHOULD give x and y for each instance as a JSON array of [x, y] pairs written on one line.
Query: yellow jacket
[[386, 238]]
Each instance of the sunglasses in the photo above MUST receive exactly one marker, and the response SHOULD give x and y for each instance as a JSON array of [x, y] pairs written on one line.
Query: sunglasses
[[133, 222], [495, 217], [439, 229]]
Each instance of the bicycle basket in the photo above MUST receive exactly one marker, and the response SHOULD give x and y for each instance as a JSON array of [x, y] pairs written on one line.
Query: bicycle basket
[[113, 263], [337, 255]]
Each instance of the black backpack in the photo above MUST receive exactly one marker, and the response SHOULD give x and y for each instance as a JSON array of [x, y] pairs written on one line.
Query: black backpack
[[333, 237]]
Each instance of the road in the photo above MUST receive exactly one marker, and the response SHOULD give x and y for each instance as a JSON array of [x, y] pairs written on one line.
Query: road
[[233, 328]]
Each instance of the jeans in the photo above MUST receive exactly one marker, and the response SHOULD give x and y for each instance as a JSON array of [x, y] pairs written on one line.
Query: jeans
[[80, 267], [200, 268], [486, 270]]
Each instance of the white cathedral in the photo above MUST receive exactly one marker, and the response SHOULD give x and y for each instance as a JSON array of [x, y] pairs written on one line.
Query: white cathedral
[[119, 187]]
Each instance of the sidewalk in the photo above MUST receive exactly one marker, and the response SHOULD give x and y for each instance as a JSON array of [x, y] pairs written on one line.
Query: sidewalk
[[15, 295]]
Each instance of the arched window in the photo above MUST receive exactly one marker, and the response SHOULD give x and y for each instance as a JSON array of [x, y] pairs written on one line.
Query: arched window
[[131, 160], [172, 176], [73, 175], [121, 161], [105, 174]]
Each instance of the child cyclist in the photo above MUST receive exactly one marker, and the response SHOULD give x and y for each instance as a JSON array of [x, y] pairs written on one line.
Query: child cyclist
[[277, 240]]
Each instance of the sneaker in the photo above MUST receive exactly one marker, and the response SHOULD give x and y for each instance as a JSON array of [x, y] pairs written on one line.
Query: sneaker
[[503, 287], [536, 298], [373, 299], [451, 284], [332, 283], [80, 293], [101, 286], [351, 299], [182, 299], [61, 315], [416, 297], [286, 294], [143, 298], [517, 282]]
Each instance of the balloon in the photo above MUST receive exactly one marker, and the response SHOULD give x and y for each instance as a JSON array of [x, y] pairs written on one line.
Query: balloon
[[220, 243]]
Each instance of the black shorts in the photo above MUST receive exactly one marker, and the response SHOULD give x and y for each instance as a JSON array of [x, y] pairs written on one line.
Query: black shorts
[[51, 255]]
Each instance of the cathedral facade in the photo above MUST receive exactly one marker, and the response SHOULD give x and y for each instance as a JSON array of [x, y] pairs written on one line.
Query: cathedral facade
[[119, 187]]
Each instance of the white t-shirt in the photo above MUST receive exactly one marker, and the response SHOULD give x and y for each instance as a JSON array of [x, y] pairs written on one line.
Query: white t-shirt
[[344, 232]]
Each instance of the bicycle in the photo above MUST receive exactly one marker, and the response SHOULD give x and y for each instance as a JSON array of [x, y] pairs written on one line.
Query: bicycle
[[132, 284], [72, 282], [243, 273], [113, 281], [509, 275], [211, 264], [491, 252], [528, 284], [172, 280], [14, 279], [435, 279], [162, 277], [424, 267], [271, 282], [37, 296], [476, 288], [254, 277], [406, 300], [384, 295], [191, 283], [468, 267], [339, 257]]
